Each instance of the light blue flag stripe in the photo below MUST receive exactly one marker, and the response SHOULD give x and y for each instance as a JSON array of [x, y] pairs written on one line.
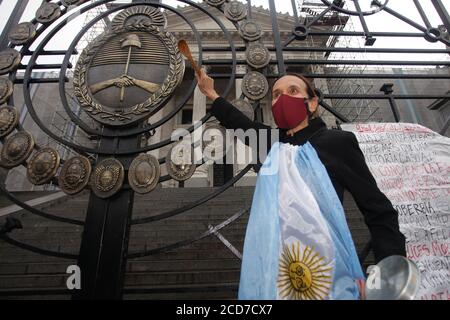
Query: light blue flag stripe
[[259, 271], [347, 266]]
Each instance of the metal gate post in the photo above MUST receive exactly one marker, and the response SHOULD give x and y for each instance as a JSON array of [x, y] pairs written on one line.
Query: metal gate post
[[104, 246]]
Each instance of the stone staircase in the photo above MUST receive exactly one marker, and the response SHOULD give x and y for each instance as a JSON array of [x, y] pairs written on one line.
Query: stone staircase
[[206, 269]]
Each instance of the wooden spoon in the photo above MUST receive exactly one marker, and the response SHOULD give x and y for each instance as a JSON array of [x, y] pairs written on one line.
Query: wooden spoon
[[185, 51]]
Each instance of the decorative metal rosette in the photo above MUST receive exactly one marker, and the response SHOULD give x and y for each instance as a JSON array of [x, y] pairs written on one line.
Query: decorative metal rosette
[[250, 30], [6, 90], [235, 11], [214, 141], [43, 166], [257, 55], [255, 85], [144, 173], [22, 33], [215, 3], [9, 60], [16, 149], [74, 175], [107, 178], [245, 107], [180, 163], [9, 118], [69, 3], [48, 12]]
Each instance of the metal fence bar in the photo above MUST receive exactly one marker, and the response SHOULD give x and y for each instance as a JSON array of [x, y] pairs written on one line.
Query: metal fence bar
[[422, 13], [276, 37], [443, 13]]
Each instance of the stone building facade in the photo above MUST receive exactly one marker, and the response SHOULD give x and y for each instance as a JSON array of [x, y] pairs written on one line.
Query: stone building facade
[[46, 96]]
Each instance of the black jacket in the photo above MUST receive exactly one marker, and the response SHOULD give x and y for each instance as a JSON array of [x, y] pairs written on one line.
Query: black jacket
[[341, 155]]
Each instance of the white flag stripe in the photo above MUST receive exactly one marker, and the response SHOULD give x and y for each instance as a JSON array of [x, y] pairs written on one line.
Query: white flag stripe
[[304, 234]]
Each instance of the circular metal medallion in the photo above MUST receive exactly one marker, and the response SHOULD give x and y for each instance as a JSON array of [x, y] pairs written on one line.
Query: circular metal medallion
[[6, 90], [48, 12], [144, 173], [215, 3], [214, 142], [257, 55], [9, 118], [245, 107], [139, 15], [107, 178], [180, 162], [250, 30], [43, 166], [123, 75], [22, 33], [9, 60], [235, 10], [69, 3], [16, 149], [74, 175], [255, 85]]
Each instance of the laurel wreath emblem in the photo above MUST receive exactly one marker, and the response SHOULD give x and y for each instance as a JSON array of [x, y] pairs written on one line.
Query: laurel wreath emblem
[[173, 79]]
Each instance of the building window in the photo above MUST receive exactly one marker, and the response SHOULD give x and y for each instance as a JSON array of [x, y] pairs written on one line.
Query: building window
[[186, 116]]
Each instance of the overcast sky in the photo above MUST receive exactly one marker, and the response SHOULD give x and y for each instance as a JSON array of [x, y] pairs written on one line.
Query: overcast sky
[[377, 22]]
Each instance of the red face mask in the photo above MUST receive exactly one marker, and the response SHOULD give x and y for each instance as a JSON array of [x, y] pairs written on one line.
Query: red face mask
[[289, 111]]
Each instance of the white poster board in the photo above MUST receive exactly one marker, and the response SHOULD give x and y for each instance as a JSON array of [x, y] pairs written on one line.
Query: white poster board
[[411, 165]]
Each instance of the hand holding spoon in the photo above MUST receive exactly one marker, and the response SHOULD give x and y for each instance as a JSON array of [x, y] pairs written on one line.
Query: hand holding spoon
[[185, 51]]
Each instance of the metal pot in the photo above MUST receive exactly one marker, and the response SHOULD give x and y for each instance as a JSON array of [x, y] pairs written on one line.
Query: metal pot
[[399, 279]]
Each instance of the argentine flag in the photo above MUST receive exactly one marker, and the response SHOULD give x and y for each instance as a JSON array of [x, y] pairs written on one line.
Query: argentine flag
[[297, 243]]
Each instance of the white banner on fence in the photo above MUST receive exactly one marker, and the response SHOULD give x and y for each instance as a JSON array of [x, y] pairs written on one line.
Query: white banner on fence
[[411, 165]]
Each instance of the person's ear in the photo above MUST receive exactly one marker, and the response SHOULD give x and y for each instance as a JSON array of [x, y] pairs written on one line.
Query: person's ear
[[313, 103]]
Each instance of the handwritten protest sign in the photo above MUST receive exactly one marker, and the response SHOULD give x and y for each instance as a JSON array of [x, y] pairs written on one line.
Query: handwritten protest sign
[[411, 165]]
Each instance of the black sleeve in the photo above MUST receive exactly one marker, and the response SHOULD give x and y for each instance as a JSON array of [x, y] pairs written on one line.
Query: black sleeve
[[379, 214], [232, 118]]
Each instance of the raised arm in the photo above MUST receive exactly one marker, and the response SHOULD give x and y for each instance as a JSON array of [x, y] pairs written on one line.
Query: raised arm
[[228, 115], [232, 118], [225, 112]]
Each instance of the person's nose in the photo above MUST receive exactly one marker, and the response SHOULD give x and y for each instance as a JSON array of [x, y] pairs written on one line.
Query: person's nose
[[278, 97]]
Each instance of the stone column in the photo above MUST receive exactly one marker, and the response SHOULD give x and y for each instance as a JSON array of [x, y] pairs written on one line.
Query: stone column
[[200, 177], [160, 133], [240, 149]]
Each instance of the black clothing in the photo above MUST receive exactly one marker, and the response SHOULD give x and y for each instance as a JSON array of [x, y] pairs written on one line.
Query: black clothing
[[344, 161]]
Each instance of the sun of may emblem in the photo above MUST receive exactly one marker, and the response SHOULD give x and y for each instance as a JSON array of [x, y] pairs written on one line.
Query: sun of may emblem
[[303, 274]]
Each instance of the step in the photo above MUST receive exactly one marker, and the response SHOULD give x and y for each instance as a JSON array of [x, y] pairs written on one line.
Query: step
[[42, 293], [178, 277], [26, 195], [36, 268], [206, 291], [33, 281], [177, 265]]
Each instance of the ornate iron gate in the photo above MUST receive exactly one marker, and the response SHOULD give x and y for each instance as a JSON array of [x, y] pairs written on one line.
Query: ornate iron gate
[[110, 96]]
